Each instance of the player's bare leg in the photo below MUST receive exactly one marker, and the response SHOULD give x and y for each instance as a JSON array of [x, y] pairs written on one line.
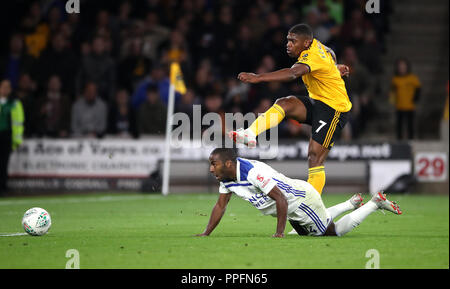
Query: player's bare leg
[[317, 154], [293, 108], [290, 107]]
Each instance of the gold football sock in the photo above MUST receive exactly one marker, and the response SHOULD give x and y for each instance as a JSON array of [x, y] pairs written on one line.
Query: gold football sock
[[316, 177], [272, 117]]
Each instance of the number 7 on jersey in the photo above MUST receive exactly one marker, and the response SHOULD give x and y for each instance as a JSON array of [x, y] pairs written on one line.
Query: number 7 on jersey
[[322, 124]]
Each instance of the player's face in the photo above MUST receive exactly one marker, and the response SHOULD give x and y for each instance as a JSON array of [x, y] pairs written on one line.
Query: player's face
[[402, 67], [218, 168], [296, 44], [5, 88]]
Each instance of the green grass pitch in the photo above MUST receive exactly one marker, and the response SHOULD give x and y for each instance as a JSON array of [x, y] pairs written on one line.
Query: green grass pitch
[[152, 231]]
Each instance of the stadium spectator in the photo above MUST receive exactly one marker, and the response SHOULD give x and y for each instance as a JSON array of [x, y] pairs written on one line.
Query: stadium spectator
[[72, 31], [213, 103], [224, 40], [107, 27], [89, 114], [203, 78], [370, 53], [158, 77], [257, 92], [152, 114], [276, 48], [123, 17], [273, 90], [183, 25], [33, 16], [154, 35], [405, 89], [58, 59], [134, 31], [53, 111], [121, 117], [335, 9], [54, 20], [330, 24], [273, 24], [320, 31], [255, 22], [174, 49], [98, 67], [236, 98], [359, 89], [134, 66], [186, 102], [353, 30], [26, 92], [16, 61], [267, 64], [202, 40], [245, 59], [114, 44], [263, 105], [36, 31], [11, 129]]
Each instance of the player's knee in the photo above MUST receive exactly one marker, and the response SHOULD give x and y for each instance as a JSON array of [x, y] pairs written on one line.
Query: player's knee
[[286, 103]]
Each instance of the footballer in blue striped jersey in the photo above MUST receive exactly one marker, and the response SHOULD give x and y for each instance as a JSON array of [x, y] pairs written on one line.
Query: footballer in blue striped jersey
[[285, 198]]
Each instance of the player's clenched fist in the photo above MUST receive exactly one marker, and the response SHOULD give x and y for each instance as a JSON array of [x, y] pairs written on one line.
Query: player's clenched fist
[[248, 77]]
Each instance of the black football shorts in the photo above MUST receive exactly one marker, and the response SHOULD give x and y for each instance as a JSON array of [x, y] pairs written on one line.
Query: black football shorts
[[326, 123]]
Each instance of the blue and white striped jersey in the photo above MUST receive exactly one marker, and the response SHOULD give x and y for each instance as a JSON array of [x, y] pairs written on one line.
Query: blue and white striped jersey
[[255, 179]]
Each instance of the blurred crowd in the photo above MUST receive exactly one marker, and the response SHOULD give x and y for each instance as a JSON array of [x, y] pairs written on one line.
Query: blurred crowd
[[104, 71]]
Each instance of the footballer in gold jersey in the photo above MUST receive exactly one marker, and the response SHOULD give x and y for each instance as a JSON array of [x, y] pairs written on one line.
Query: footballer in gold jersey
[[326, 109]]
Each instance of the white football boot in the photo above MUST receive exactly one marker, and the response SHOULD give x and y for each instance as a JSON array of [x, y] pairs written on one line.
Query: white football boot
[[243, 136], [356, 200], [384, 204]]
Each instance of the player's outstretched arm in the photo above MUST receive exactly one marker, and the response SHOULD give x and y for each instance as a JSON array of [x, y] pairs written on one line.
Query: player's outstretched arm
[[216, 214], [282, 207], [286, 74]]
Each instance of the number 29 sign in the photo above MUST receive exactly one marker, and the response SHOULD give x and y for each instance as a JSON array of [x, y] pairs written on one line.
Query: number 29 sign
[[431, 167]]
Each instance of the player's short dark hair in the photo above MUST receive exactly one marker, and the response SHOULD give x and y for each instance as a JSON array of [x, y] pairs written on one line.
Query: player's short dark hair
[[302, 29], [225, 154]]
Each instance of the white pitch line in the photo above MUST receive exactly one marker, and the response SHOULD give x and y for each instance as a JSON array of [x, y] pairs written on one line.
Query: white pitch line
[[12, 234]]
